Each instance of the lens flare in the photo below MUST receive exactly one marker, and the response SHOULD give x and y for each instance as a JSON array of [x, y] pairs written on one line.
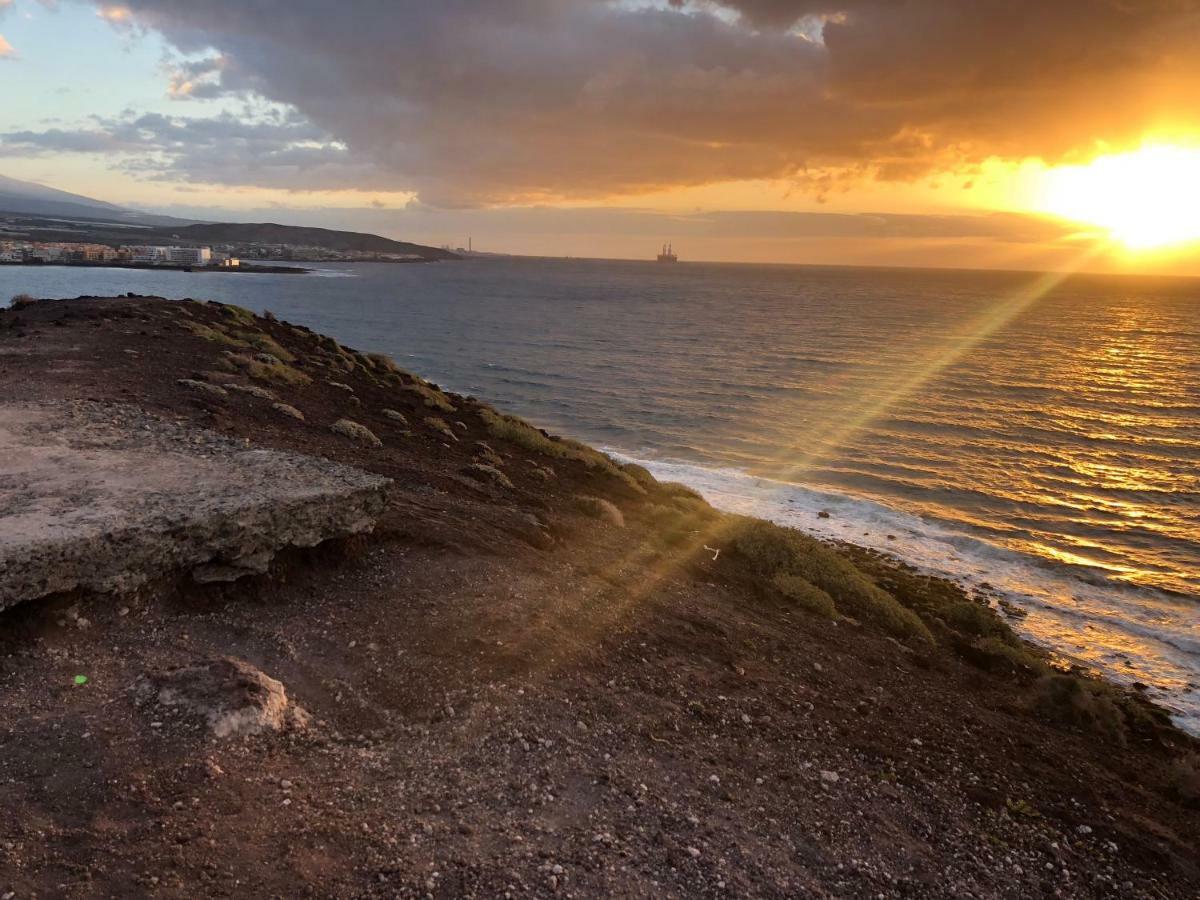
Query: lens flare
[[1146, 199]]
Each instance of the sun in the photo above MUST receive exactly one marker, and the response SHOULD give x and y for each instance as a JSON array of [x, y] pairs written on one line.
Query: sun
[[1146, 199]]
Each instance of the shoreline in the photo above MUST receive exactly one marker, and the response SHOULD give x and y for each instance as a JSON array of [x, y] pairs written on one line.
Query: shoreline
[[1026, 595], [542, 671], [249, 269]]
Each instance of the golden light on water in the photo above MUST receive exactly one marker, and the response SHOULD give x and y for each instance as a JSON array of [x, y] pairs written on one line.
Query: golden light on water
[[1146, 199]]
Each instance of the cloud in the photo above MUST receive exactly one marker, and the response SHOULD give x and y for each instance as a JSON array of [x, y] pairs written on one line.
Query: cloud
[[264, 149], [6, 49], [531, 100]]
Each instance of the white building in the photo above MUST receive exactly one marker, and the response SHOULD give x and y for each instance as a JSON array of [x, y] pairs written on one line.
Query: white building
[[152, 256], [189, 256]]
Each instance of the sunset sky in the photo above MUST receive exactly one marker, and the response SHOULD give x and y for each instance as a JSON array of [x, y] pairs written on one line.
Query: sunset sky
[[996, 133]]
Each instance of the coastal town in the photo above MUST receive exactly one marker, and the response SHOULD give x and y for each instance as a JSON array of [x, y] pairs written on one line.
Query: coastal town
[[71, 253]]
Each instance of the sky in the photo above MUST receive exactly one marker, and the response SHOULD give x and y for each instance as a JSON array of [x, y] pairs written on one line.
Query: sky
[[996, 133]]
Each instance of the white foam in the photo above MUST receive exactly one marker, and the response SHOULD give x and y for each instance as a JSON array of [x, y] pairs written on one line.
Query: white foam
[[1129, 634]]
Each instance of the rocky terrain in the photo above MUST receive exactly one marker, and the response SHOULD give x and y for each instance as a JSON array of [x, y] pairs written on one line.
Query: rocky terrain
[[541, 674]]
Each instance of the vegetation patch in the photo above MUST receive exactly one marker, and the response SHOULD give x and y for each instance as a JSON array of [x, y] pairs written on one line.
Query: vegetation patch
[[395, 416], [440, 426], [277, 371], [641, 475], [215, 333], [290, 411], [599, 508], [806, 595], [524, 435], [773, 550], [253, 390], [1082, 703], [486, 473], [202, 387], [355, 432], [266, 344], [434, 399]]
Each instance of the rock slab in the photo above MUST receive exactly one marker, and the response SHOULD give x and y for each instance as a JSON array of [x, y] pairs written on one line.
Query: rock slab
[[106, 497]]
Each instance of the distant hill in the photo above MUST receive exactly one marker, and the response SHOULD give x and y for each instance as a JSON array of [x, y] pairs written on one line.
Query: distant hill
[[35, 209], [271, 233], [29, 198]]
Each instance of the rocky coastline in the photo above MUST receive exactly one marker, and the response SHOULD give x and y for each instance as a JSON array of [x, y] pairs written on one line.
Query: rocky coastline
[[503, 665]]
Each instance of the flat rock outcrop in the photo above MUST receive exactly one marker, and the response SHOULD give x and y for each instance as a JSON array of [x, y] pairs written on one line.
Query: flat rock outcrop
[[106, 497]]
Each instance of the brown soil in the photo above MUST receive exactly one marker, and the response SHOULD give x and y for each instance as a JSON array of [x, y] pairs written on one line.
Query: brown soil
[[510, 696]]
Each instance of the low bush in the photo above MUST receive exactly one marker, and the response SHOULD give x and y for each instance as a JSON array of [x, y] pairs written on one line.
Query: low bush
[[599, 508], [641, 475], [774, 550], [806, 595], [1184, 778], [1078, 702], [440, 426], [354, 431], [524, 435], [434, 399]]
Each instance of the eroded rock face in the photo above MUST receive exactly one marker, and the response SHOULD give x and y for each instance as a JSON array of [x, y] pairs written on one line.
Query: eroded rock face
[[232, 697], [107, 497]]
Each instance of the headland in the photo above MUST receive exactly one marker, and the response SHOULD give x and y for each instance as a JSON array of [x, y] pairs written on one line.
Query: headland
[[493, 661]]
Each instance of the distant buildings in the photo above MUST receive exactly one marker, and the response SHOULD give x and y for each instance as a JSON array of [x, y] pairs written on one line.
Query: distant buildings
[[67, 253]]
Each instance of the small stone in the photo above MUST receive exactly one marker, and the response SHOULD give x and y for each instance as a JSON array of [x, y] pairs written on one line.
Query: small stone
[[830, 777], [290, 411], [693, 852]]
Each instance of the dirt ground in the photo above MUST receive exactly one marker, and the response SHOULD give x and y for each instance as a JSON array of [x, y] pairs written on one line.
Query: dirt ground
[[512, 697]]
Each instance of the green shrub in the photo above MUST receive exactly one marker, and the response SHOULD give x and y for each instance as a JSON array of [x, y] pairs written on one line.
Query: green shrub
[[806, 595], [265, 344], [279, 373], [1080, 703], [975, 619], [215, 333], [1015, 655], [773, 550], [237, 313], [524, 435]]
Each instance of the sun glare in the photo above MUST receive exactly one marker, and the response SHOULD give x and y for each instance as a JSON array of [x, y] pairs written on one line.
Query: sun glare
[[1146, 199]]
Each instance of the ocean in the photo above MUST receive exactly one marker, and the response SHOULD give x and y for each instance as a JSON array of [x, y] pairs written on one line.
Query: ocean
[[1030, 436]]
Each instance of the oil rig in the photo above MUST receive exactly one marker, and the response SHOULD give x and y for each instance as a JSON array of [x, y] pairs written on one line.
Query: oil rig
[[667, 255]]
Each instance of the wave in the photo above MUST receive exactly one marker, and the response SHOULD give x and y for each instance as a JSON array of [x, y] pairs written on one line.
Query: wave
[[1083, 612]]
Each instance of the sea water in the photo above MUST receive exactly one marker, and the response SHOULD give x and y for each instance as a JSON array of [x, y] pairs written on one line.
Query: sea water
[[1028, 434]]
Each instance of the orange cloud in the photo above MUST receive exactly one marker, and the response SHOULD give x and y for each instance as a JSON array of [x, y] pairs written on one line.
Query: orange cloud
[[575, 100]]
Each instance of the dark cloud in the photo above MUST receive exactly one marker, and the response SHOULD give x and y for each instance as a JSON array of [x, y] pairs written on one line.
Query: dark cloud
[[476, 102]]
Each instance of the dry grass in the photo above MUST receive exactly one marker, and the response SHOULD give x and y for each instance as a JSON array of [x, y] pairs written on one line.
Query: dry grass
[[599, 508], [440, 426], [433, 399], [358, 433]]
